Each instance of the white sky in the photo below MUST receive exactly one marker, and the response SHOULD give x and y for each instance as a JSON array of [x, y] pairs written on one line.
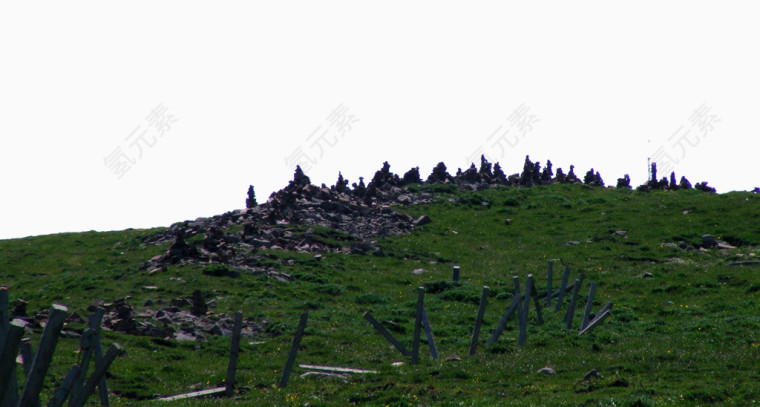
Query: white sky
[[247, 83]]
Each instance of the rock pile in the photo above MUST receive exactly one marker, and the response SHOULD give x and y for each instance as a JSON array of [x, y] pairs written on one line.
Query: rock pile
[[172, 322], [359, 213]]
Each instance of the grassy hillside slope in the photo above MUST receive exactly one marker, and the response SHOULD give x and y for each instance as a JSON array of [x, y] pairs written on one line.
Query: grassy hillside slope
[[685, 328]]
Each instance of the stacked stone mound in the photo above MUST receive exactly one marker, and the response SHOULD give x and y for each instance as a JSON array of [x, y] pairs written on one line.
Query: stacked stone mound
[[360, 212]]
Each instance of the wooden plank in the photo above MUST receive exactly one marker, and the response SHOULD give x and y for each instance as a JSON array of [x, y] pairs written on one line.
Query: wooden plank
[[503, 322], [429, 335], [200, 393], [479, 320], [44, 355], [418, 325], [333, 369], [234, 351], [293, 350], [387, 335]]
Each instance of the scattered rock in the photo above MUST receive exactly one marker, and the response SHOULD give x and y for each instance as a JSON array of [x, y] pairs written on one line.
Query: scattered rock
[[725, 246], [547, 370], [418, 272], [592, 374], [745, 263], [453, 358], [572, 243], [647, 275], [671, 246], [508, 221], [709, 242], [621, 233]]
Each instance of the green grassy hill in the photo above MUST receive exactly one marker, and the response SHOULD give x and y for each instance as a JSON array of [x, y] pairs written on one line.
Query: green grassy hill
[[684, 330]]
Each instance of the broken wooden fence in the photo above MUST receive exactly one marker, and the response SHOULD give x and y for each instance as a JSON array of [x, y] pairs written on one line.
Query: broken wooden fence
[[75, 385], [520, 306]]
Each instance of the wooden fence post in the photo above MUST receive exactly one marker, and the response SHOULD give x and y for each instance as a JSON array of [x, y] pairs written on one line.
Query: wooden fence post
[[387, 335], [234, 351], [418, 325], [479, 320], [573, 303], [536, 304], [455, 274], [565, 277], [63, 391], [294, 350], [8, 391], [4, 326], [44, 355], [549, 285], [100, 370], [94, 321], [429, 335], [503, 322], [589, 302], [85, 354], [524, 312]]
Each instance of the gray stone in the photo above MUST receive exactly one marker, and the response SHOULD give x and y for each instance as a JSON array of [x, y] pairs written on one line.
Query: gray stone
[[547, 370], [709, 242], [418, 272]]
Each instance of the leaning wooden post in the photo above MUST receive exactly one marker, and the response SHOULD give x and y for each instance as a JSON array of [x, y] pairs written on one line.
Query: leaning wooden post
[[516, 292], [60, 395], [9, 393], [524, 312], [562, 287], [598, 320], [573, 303], [418, 325], [100, 371], [589, 302], [455, 274], [479, 320], [429, 335], [294, 350], [549, 285], [85, 353], [234, 351], [44, 355], [387, 335], [503, 322]]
